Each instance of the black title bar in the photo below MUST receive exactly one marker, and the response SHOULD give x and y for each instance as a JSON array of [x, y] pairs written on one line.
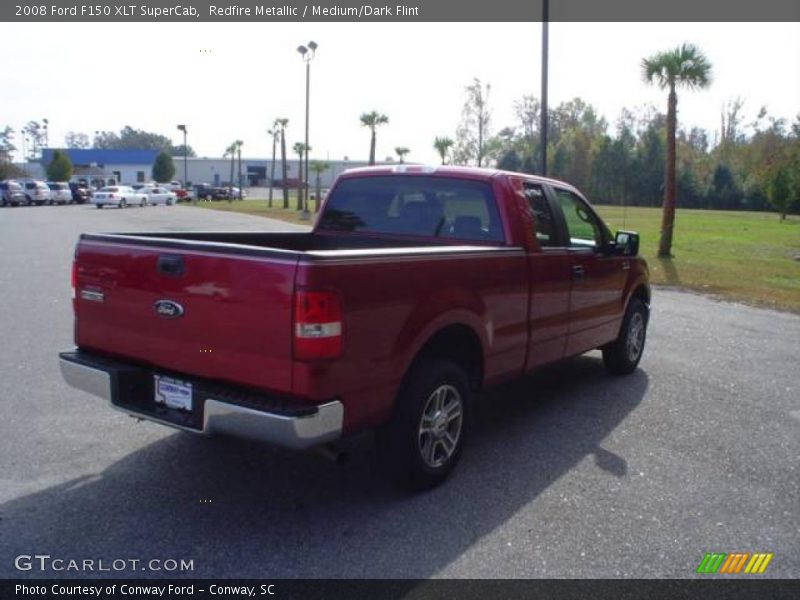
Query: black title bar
[[739, 588], [406, 11]]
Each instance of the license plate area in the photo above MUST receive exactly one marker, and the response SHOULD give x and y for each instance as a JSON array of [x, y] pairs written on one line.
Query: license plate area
[[172, 393]]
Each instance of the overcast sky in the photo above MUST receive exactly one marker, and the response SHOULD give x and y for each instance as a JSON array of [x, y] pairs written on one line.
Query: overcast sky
[[229, 81]]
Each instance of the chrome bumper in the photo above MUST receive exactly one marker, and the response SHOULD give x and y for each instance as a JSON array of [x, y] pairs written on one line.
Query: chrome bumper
[[289, 431]]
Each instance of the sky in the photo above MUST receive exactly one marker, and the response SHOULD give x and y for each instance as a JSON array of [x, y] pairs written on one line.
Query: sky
[[229, 81]]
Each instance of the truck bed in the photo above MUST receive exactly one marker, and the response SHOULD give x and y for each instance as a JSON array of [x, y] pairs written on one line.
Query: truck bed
[[244, 242], [235, 291]]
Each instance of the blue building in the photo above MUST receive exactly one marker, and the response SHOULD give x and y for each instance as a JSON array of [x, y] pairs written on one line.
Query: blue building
[[124, 166]]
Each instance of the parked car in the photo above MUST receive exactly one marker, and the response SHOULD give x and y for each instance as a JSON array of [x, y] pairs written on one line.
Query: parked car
[[60, 193], [159, 195], [80, 192], [36, 192], [118, 195], [205, 191], [235, 193], [416, 288], [12, 193]]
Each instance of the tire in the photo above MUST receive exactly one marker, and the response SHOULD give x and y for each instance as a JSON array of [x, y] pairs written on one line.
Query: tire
[[423, 442], [622, 356], [99, 205], [143, 204], [123, 203]]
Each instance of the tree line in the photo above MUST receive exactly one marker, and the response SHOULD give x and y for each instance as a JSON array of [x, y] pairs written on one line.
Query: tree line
[[747, 164]]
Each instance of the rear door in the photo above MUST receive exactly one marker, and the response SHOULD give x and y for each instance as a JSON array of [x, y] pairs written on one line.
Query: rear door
[[549, 271], [193, 311], [595, 303]]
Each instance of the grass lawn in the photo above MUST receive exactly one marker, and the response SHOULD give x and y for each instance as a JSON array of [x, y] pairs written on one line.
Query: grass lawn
[[742, 256], [260, 208]]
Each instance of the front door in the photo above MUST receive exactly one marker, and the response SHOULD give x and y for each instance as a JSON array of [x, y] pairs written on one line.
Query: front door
[[595, 305]]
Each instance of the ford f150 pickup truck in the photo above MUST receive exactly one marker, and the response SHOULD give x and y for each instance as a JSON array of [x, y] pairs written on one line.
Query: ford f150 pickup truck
[[416, 288]]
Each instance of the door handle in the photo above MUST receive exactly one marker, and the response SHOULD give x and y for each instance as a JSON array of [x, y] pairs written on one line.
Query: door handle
[[578, 273], [626, 265]]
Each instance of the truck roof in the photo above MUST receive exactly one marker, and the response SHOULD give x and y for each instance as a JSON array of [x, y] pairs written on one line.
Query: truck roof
[[446, 171]]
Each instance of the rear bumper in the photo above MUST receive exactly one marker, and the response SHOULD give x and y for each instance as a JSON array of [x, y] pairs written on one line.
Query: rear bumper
[[216, 409]]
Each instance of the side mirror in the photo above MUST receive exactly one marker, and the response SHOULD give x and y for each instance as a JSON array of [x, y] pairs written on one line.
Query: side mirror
[[626, 243]]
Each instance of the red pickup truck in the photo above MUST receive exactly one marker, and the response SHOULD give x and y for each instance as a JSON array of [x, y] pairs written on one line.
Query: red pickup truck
[[416, 288]]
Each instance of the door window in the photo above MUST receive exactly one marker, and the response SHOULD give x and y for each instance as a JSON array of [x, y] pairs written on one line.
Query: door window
[[543, 225], [584, 229]]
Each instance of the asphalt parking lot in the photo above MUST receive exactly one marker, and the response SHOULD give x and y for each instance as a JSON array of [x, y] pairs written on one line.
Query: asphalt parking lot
[[569, 472]]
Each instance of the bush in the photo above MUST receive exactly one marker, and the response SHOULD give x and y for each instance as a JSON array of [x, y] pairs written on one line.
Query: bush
[[60, 168], [163, 168]]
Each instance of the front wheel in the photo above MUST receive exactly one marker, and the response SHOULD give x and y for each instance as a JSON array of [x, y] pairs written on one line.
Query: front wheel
[[123, 203], [622, 356], [423, 442]]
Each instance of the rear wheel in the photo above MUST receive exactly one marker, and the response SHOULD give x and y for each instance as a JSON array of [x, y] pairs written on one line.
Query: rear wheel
[[143, 203], [99, 205], [622, 356], [123, 203], [423, 442]]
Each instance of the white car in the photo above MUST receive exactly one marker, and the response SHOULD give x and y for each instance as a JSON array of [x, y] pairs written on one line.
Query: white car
[[118, 195], [36, 192], [59, 192], [159, 195]]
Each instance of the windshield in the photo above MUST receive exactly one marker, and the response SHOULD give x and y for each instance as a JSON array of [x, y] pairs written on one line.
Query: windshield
[[417, 206]]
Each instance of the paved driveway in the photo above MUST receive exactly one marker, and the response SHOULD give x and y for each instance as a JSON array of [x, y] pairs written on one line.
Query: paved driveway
[[570, 472]]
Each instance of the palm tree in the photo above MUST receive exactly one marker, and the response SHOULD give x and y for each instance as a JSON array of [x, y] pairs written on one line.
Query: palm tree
[[682, 66], [401, 152], [230, 151], [239, 144], [274, 133], [300, 148], [282, 124], [318, 166], [373, 120], [443, 145]]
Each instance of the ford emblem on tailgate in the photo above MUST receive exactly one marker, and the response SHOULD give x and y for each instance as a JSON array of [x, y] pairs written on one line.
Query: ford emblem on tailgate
[[168, 309]]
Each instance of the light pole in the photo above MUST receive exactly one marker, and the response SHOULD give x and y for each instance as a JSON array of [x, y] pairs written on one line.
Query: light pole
[[307, 54], [185, 156], [543, 116]]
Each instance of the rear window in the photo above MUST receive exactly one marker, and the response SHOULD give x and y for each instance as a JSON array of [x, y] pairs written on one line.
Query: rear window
[[110, 189], [420, 206]]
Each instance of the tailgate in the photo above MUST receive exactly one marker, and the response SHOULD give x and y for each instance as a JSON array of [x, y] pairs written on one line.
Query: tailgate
[[213, 314]]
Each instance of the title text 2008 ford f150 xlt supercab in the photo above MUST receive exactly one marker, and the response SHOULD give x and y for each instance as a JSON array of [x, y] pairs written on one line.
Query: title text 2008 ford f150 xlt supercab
[[416, 288]]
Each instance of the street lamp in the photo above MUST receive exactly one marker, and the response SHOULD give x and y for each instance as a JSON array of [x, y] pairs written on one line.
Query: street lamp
[[307, 54], [543, 116], [185, 156]]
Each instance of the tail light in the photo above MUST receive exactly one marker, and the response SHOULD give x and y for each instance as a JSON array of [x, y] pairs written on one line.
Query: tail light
[[317, 325]]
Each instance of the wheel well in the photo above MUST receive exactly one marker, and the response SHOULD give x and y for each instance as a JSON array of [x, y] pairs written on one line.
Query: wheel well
[[461, 345], [643, 294]]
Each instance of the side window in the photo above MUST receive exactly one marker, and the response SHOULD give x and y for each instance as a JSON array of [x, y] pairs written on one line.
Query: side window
[[584, 229], [543, 225]]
